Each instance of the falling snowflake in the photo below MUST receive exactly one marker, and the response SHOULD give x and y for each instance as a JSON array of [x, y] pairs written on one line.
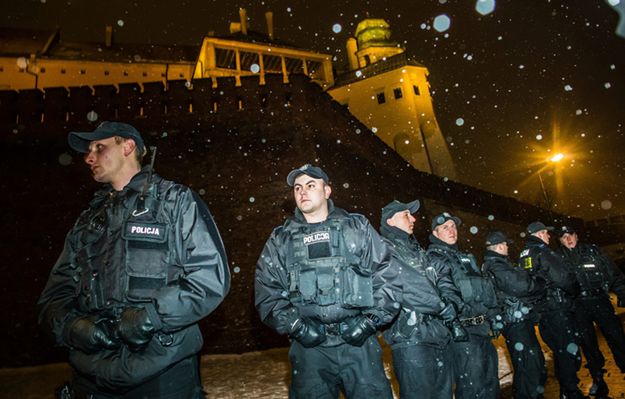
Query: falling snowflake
[[485, 7], [442, 23]]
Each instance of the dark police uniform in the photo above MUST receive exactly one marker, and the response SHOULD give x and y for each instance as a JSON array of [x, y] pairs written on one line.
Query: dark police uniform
[[419, 338], [161, 256], [473, 379], [597, 276], [325, 277], [517, 291], [556, 325]]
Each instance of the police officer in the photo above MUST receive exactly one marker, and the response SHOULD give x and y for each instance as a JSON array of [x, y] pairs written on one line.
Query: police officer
[[419, 337], [141, 267], [596, 275], [557, 324], [473, 379], [517, 291], [324, 279]]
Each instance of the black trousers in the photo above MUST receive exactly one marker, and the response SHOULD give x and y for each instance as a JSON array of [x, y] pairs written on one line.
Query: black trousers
[[599, 310], [558, 330], [323, 372], [423, 372], [475, 368], [180, 381], [528, 361]]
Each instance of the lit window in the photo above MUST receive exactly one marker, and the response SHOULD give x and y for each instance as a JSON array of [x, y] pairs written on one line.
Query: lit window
[[416, 90], [397, 92], [381, 98]]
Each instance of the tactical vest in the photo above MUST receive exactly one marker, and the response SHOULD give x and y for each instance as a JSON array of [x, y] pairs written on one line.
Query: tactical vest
[[322, 272], [514, 310], [468, 278], [554, 297], [413, 257], [129, 246], [590, 273]]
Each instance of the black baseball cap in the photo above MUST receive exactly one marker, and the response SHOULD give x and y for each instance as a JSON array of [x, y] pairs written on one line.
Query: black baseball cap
[[395, 206], [80, 141], [309, 170], [442, 218], [538, 226], [497, 237], [565, 230]]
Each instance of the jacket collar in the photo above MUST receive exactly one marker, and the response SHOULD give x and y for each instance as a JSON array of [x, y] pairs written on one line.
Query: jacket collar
[[135, 184], [493, 254], [333, 213], [533, 241], [441, 244]]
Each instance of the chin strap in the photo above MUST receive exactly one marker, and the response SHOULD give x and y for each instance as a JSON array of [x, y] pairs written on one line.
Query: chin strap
[[141, 209]]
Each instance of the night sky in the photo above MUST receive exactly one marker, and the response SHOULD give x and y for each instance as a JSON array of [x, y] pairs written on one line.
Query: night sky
[[510, 88]]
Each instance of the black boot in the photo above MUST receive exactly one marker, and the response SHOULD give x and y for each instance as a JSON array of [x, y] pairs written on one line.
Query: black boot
[[573, 395], [599, 389]]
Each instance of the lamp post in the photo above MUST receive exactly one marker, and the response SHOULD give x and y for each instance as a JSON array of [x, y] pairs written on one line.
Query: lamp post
[[550, 161]]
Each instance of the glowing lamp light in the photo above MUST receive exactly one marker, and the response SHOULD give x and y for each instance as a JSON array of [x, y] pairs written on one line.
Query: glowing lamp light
[[557, 157]]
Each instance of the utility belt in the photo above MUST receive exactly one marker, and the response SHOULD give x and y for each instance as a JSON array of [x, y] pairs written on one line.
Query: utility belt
[[424, 318], [415, 317], [592, 292], [335, 329], [473, 321]]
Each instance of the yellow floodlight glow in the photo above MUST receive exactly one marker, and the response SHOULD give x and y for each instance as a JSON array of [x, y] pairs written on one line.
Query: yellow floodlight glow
[[557, 157]]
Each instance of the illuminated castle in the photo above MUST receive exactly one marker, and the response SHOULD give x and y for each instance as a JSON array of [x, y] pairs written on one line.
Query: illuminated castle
[[383, 89]]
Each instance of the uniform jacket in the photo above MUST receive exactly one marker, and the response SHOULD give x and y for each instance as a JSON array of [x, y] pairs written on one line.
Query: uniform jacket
[[561, 286], [477, 291], [425, 290], [169, 260], [356, 279], [516, 289], [595, 272]]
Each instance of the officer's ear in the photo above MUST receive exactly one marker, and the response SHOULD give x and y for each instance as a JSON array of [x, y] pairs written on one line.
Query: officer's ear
[[435, 232], [129, 146], [327, 190], [390, 221]]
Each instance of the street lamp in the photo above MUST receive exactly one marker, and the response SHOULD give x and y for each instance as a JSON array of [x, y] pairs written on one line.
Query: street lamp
[[553, 160]]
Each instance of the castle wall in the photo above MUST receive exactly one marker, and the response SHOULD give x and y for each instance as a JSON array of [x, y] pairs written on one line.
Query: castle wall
[[234, 146]]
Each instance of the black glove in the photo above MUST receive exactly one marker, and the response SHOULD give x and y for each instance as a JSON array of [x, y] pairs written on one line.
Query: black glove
[[620, 302], [135, 328], [308, 332], [90, 334], [449, 313], [358, 329]]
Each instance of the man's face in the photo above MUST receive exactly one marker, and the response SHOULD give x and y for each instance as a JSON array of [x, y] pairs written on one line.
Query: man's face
[[543, 235], [569, 240], [403, 220], [447, 232], [311, 195], [106, 159]]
